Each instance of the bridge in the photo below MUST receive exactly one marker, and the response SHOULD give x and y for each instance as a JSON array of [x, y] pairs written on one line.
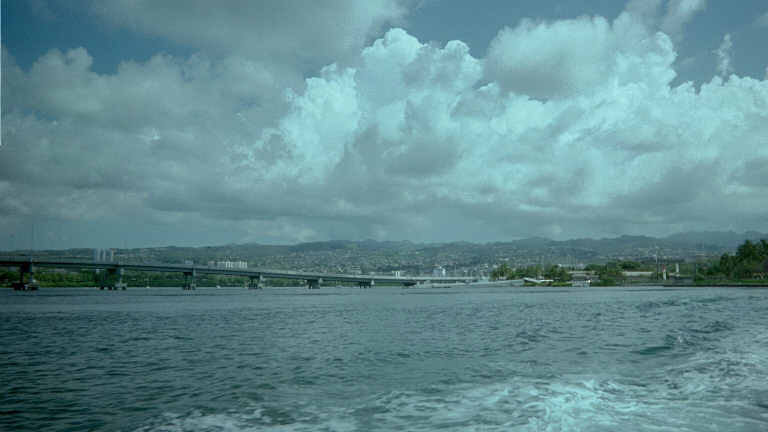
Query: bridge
[[113, 273]]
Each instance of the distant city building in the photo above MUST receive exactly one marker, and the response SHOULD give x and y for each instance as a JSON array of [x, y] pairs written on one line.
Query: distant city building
[[103, 255], [637, 274], [439, 271], [188, 262], [241, 265]]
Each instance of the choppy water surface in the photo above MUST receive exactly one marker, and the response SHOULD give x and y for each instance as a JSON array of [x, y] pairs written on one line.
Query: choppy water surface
[[599, 359]]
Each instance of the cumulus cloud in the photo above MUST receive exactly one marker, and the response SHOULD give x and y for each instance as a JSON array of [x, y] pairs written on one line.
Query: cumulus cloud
[[552, 59], [577, 57], [155, 133], [627, 141], [564, 129]]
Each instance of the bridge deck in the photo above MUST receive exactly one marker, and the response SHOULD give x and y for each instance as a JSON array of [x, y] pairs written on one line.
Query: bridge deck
[[264, 273]]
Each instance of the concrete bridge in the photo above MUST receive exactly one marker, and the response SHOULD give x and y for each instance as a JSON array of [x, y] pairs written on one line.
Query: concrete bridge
[[113, 273]]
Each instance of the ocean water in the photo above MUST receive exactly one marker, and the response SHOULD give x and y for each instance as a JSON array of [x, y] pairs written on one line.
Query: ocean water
[[345, 359]]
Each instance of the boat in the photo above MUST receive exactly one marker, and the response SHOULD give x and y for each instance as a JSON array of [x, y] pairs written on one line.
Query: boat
[[28, 286]]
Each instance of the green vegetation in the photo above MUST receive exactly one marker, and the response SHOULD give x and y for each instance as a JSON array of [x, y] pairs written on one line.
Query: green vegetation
[[611, 273], [52, 278], [67, 279], [749, 263]]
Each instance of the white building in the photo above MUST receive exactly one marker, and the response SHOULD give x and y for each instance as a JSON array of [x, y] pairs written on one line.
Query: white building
[[240, 265], [439, 271], [103, 255]]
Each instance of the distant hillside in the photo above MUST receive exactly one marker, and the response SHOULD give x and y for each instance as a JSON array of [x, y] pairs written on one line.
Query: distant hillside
[[383, 256], [728, 239]]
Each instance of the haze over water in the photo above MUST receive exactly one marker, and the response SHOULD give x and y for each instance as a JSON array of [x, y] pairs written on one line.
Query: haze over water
[[342, 359]]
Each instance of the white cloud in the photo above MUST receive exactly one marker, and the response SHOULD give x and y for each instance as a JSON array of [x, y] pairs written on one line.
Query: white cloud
[[620, 139], [679, 13], [724, 62], [288, 32], [578, 57], [546, 60], [671, 19], [568, 127], [762, 20]]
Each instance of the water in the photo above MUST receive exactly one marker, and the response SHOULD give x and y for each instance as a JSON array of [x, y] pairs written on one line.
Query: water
[[344, 359]]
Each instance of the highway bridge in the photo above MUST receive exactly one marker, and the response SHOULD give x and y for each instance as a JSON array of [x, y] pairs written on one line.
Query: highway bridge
[[113, 273]]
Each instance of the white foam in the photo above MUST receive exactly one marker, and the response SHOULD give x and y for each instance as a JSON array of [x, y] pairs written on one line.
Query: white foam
[[572, 403], [712, 390]]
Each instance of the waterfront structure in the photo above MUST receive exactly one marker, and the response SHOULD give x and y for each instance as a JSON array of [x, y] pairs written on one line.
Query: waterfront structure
[[113, 273], [439, 271]]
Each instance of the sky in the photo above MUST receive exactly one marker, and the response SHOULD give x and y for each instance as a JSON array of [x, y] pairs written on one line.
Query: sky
[[136, 123]]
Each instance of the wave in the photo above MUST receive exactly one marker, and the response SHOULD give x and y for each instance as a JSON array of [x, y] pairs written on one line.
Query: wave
[[569, 403], [713, 389]]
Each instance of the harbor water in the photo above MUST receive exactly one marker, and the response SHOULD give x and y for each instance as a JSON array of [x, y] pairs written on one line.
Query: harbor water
[[381, 359]]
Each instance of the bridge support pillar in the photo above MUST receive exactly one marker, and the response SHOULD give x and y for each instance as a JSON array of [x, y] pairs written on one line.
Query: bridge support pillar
[[31, 285], [314, 283], [106, 276], [120, 284], [112, 279], [256, 282], [367, 284], [189, 280]]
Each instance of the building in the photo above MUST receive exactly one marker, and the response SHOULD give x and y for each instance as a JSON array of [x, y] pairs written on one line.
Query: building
[[103, 255], [239, 265], [439, 271], [637, 274]]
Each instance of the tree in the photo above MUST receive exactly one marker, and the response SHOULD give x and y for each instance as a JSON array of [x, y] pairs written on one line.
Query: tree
[[501, 272], [748, 251], [750, 260], [557, 273], [629, 265]]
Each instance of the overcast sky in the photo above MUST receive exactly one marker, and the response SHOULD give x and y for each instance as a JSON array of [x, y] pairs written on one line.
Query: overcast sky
[[129, 123]]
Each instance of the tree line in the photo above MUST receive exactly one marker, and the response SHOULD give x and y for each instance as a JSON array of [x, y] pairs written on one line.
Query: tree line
[[52, 278], [749, 262]]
